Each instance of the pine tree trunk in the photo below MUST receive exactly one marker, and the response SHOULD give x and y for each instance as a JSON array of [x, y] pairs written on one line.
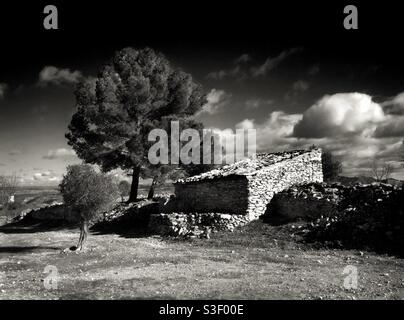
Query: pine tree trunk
[[151, 190], [135, 185], [83, 235]]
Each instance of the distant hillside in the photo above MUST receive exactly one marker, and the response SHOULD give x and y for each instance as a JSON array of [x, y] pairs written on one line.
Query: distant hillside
[[366, 180]]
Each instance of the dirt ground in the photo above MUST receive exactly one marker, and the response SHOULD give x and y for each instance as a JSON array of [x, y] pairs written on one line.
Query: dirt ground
[[256, 262]]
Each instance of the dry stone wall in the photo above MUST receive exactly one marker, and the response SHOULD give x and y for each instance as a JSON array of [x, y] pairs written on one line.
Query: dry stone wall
[[229, 195], [194, 224], [54, 211], [321, 200], [266, 183], [369, 217]]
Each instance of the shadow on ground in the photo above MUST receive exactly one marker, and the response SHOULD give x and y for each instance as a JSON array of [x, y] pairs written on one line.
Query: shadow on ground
[[26, 249], [33, 226], [127, 228], [124, 228]]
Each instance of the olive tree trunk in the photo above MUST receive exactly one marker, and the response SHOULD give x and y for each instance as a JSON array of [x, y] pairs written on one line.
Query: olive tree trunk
[[83, 234]]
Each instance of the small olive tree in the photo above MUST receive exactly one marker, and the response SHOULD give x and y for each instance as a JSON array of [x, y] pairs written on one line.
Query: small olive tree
[[89, 194]]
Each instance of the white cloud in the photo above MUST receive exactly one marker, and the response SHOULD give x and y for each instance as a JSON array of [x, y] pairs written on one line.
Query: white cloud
[[3, 90], [52, 74], [217, 100], [241, 70], [272, 62], [393, 126], [340, 114], [344, 124], [234, 72], [395, 105], [46, 178], [60, 153], [275, 132]]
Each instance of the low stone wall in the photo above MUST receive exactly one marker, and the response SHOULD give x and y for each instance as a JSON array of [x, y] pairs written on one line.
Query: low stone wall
[[54, 211], [194, 224], [369, 217], [315, 200]]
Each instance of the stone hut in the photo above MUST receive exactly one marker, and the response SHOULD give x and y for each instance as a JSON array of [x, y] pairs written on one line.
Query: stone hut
[[247, 186]]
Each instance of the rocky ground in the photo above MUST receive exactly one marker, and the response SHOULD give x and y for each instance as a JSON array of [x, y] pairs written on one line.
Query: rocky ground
[[258, 261]]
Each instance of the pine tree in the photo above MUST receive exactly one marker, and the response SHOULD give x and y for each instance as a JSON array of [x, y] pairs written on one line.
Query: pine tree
[[137, 91]]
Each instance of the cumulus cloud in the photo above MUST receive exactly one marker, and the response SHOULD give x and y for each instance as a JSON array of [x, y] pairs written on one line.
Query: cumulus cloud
[[60, 153], [392, 127], [347, 124], [54, 75], [217, 100], [275, 132], [3, 90], [394, 106], [340, 114], [272, 62]]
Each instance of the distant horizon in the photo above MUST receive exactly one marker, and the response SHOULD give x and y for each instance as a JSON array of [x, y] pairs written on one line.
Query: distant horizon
[[167, 183]]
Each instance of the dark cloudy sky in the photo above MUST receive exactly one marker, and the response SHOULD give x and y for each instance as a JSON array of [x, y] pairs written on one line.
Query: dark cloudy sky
[[290, 71]]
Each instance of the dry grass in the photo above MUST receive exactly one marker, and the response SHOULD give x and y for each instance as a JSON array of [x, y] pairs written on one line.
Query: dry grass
[[257, 262]]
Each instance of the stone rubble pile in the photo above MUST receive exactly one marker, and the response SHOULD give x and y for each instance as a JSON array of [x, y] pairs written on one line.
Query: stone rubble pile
[[360, 216], [192, 225]]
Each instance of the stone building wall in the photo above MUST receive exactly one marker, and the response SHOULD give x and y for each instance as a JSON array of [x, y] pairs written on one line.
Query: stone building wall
[[302, 169], [248, 194], [225, 195]]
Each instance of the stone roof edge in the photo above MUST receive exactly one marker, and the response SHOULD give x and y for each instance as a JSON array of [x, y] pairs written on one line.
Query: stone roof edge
[[183, 181], [280, 162]]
